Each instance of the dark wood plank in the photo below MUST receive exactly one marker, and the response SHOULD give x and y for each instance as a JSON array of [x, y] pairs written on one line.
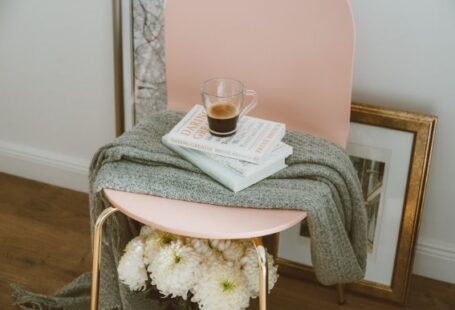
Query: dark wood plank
[[44, 239]]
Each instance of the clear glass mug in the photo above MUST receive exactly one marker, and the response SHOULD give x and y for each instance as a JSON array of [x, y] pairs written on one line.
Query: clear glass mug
[[224, 102]]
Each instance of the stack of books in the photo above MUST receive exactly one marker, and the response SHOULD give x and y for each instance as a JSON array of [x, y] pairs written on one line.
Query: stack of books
[[253, 153]]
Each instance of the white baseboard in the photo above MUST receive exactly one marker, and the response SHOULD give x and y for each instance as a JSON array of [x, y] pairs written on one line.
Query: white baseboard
[[44, 166], [435, 259]]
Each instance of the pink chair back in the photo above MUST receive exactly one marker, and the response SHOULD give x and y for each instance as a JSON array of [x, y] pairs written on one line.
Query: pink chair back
[[297, 55]]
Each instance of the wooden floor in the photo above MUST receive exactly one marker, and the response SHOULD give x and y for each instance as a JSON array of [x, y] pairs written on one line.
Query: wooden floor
[[44, 243]]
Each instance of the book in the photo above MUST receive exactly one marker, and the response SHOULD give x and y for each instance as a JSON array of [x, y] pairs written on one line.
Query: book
[[253, 142], [224, 174], [245, 168]]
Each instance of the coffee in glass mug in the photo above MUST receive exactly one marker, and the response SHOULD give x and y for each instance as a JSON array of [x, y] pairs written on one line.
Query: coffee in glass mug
[[224, 102]]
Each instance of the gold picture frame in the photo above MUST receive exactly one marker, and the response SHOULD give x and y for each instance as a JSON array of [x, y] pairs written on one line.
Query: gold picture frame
[[422, 127]]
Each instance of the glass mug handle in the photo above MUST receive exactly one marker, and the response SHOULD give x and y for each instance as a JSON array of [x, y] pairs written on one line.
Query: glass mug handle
[[251, 105]]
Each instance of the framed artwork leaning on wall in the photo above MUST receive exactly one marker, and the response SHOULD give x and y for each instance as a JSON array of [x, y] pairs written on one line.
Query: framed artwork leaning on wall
[[391, 151], [140, 63]]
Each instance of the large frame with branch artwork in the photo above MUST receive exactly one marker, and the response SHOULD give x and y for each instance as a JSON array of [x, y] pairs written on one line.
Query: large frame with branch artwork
[[139, 60]]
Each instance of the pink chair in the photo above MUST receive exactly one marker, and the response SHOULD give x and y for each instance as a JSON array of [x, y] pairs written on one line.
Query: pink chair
[[297, 55]]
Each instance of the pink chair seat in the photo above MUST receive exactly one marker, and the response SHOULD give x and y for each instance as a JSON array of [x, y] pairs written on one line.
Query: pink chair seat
[[202, 220]]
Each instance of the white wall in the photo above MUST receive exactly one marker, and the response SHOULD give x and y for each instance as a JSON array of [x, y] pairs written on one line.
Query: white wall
[[406, 59], [56, 87], [57, 99]]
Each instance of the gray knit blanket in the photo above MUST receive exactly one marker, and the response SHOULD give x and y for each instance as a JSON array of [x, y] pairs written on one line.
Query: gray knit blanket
[[319, 179]]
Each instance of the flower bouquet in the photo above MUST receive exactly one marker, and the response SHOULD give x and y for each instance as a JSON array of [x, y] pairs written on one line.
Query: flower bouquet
[[210, 274]]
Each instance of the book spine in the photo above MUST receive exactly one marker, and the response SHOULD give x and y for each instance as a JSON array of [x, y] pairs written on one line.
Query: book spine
[[211, 168], [281, 132], [209, 148], [204, 147]]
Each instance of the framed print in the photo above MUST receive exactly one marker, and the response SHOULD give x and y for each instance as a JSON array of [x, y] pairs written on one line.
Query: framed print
[[139, 57], [391, 151]]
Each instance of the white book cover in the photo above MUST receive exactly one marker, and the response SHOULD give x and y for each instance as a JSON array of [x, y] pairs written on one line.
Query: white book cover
[[245, 168], [220, 172], [253, 142]]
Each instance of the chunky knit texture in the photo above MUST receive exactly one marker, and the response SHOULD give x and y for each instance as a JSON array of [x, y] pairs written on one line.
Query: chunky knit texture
[[320, 179]]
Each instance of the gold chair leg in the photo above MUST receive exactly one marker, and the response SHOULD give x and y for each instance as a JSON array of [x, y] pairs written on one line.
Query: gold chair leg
[[263, 273], [97, 238], [340, 291]]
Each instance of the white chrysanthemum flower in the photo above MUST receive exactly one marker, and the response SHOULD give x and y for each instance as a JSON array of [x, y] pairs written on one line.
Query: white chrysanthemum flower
[[209, 254], [220, 244], [154, 242], [221, 287], [175, 269], [235, 251], [250, 268], [214, 257], [131, 267], [201, 246], [146, 231], [221, 274]]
